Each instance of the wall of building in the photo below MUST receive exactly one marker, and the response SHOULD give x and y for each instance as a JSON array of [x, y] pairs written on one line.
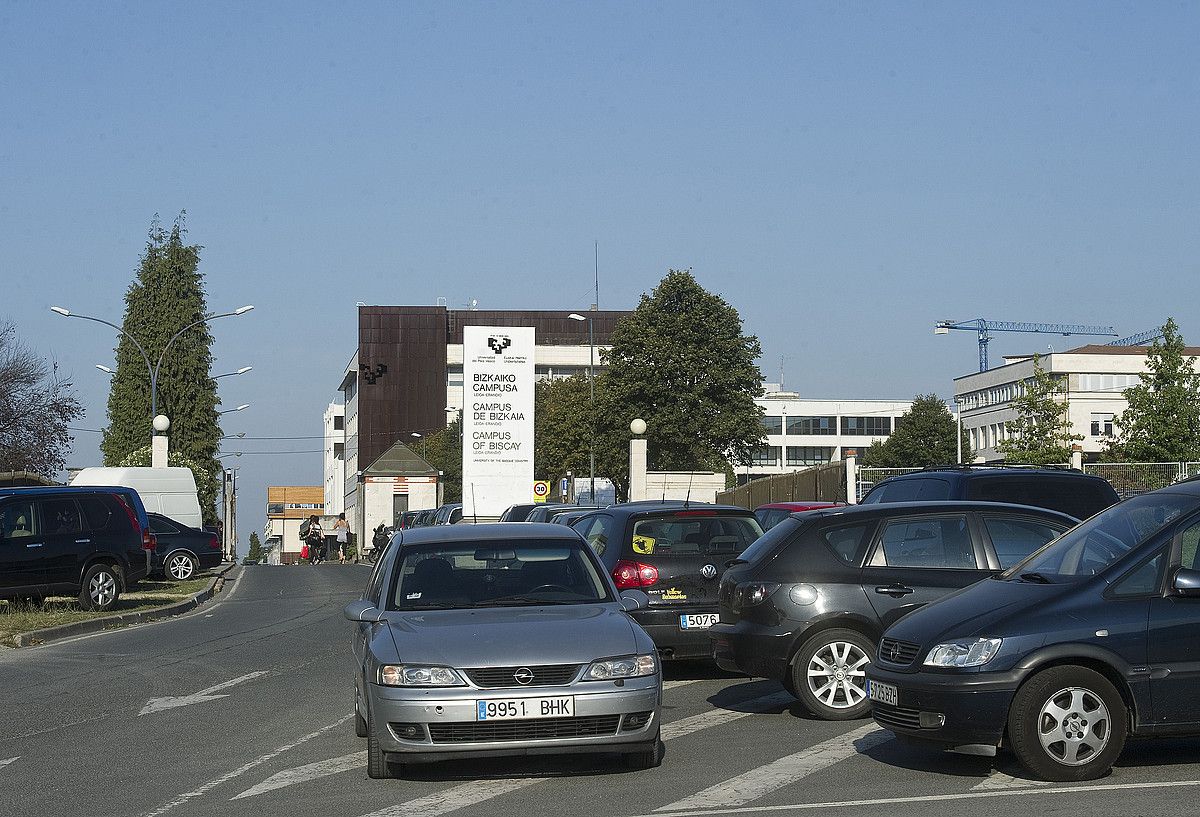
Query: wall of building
[[697, 487], [334, 459]]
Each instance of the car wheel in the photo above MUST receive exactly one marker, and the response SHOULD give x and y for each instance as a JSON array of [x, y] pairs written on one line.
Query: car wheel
[[829, 675], [360, 723], [378, 766], [1068, 723], [101, 587], [647, 758], [180, 566]]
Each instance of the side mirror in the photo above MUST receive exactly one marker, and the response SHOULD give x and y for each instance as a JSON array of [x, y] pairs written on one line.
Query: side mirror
[[361, 610], [1187, 582], [634, 600]]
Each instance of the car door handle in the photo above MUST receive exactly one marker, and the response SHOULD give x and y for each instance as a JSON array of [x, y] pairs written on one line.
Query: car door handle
[[894, 590], [34, 545], [83, 541]]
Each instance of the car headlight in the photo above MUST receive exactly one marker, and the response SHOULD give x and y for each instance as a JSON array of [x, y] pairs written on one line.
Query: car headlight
[[416, 675], [629, 666], [963, 653]]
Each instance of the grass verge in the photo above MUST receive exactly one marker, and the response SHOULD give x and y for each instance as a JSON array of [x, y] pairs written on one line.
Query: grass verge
[[22, 617]]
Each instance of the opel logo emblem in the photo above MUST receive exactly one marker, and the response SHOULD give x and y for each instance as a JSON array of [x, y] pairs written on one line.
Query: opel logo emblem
[[709, 571], [523, 676], [894, 654]]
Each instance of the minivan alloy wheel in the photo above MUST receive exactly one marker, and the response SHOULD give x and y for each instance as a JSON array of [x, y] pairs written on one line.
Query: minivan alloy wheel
[[1074, 726]]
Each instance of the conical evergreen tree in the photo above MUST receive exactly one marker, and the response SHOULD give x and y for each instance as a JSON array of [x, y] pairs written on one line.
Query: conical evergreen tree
[[167, 295]]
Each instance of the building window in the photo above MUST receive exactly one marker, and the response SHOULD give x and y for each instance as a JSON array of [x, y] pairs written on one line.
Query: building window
[[812, 425], [809, 454], [767, 455], [339, 451], [866, 426], [1102, 425], [274, 508], [339, 422], [772, 425], [454, 376]]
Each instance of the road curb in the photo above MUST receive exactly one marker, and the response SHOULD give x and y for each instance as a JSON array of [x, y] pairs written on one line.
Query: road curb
[[95, 625]]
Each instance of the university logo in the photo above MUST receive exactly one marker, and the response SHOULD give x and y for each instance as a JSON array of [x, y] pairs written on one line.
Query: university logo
[[498, 343]]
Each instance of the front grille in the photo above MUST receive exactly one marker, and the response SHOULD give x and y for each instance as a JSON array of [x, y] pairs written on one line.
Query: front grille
[[543, 676], [544, 729], [900, 653], [896, 716]]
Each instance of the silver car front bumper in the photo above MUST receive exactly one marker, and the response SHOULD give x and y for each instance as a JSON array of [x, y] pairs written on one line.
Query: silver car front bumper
[[439, 724]]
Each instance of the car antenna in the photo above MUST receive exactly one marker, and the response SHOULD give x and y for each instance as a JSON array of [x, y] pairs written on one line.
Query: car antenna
[[474, 507], [688, 496]]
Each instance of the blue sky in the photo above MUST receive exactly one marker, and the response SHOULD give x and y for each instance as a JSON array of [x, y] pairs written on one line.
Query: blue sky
[[843, 174]]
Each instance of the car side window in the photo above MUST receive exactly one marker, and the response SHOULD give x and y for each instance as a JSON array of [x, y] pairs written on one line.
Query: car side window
[[61, 515], [1189, 540], [1014, 539], [598, 533], [96, 512], [375, 582], [846, 541], [937, 542], [17, 520], [159, 525], [1143, 580]]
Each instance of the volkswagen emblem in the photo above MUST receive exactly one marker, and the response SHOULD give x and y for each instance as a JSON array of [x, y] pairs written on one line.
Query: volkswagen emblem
[[709, 571], [523, 676]]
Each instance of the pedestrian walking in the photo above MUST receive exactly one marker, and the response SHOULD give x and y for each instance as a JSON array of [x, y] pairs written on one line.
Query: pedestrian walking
[[341, 531], [315, 538]]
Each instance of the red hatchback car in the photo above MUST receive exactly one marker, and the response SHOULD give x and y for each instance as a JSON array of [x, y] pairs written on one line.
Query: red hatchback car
[[773, 513]]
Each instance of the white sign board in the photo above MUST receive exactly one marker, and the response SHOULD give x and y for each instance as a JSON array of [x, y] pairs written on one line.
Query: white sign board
[[497, 418]]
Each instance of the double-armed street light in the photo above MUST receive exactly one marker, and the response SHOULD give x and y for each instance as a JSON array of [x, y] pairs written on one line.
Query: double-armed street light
[[575, 316]]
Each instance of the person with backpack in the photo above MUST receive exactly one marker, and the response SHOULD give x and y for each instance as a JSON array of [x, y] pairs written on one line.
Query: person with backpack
[[315, 539]]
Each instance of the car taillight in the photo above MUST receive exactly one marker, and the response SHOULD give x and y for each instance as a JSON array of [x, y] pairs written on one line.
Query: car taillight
[[149, 542], [213, 542], [629, 574]]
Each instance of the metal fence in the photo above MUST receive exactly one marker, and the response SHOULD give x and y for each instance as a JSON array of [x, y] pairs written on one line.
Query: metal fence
[[867, 477], [821, 483]]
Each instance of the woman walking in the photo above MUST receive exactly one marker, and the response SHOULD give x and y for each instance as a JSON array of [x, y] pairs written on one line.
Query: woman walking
[[341, 531]]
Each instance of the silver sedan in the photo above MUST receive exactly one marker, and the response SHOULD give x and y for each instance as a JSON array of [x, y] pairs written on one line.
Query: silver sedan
[[490, 640]]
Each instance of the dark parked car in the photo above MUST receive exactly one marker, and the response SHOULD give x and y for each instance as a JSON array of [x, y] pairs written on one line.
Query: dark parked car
[[675, 552], [807, 602], [547, 512], [1088, 641], [560, 669], [1061, 489], [517, 513], [92, 542], [568, 517], [449, 514], [773, 513], [182, 551]]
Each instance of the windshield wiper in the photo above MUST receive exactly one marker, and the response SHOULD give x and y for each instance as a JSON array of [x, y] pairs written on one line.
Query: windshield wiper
[[433, 605], [1036, 578], [518, 599]]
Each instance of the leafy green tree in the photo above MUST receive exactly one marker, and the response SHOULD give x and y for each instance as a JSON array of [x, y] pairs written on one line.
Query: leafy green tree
[[166, 296], [255, 554], [207, 482], [562, 409], [1041, 433], [36, 405], [443, 451], [681, 363], [924, 436], [1162, 421]]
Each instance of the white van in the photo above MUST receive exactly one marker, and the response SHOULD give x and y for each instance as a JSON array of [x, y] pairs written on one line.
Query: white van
[[169, 491]]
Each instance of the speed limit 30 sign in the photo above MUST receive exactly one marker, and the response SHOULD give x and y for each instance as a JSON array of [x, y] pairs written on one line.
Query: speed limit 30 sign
[[541, 490]]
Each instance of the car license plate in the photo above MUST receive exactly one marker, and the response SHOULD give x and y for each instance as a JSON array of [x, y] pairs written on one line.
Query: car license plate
[[698, 621], [508, 709], [884, 693]]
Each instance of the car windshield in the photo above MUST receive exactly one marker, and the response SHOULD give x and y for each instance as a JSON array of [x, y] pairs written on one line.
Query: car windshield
[[1100, 542], [462, 575]]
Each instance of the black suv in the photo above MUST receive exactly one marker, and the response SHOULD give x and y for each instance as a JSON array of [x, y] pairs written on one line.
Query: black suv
[[675, 552], [807, 602], [1061, 489], [1087, 641], [92, 542]]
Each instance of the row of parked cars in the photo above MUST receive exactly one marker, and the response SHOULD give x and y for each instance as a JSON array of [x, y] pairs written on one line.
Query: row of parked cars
[[966, 608], [92, 542]]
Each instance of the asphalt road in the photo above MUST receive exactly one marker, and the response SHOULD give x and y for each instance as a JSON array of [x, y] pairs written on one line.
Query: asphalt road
[[243, 706]]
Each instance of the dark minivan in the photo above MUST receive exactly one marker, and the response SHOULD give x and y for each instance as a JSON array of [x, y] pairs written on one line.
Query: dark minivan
[[1061, 489], [1088, 641], [807, 602], [90, 542], [675, 552]]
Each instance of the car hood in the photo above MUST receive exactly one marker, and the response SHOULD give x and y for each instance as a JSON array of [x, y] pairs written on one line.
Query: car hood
[[979, 610], [511, 636]]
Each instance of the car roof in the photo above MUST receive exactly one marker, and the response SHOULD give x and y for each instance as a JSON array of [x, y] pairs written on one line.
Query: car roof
[[967, 471], [798, 506], [935, 506], [42, 490], [486, 532], [632, 508]]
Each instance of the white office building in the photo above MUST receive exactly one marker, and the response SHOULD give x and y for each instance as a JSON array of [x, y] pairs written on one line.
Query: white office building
[[334, 458]]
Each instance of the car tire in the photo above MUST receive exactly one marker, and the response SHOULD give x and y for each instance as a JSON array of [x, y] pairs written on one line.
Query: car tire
[[829, 674], [378, 765], [1068, 723], [360, 723], [180, 566], [647, 758], [101, 587]]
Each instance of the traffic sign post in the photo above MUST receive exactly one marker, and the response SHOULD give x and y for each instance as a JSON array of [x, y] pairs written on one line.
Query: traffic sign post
[[541, 490]]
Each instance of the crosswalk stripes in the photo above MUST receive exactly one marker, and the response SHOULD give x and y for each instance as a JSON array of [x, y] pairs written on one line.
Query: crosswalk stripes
[[999, 780], [307, 772], [716, 717], [760, 782], [4, 763]]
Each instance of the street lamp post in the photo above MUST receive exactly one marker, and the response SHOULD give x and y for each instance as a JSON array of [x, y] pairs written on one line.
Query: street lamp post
[[421, 437], [575, 316], [153, 370], [242, 407]]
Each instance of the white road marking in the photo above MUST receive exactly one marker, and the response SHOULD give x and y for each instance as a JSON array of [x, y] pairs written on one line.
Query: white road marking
[[302, 774], [928, 798], [765, 779], [159, 704], [999, 780], [716, 717], [673, 684], [469, 794], [240, 770], [4, 763]]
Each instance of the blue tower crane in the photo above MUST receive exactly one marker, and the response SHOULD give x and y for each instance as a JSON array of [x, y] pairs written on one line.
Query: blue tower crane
[[984, 329], [1140, 339]]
